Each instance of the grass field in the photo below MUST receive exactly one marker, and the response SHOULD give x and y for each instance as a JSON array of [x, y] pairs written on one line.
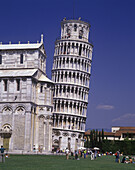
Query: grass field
[[55, 162]]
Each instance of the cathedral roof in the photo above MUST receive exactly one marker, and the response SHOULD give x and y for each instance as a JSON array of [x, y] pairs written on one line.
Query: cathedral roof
[[17, 72], [45, 79], [20, 46]]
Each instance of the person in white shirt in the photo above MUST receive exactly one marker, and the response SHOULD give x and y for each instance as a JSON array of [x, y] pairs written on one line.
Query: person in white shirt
[[67, 153]]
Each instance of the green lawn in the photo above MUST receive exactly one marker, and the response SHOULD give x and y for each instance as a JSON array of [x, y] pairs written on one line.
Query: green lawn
[[39, 162]]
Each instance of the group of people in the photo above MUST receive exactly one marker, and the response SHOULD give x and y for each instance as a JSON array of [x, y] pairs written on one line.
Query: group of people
[[125, 159], [80, 153]]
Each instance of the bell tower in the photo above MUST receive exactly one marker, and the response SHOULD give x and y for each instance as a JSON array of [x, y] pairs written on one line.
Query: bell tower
[[71, 73]]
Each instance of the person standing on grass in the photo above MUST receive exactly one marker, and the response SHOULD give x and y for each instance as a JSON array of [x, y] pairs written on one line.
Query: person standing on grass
[[95, 154], [2, 153], [72, 154], [84, 154], [67, 153], [76, 154], [81, 153], [117, 154]]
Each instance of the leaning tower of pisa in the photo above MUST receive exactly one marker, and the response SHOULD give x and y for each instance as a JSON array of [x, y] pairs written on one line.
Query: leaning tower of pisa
[[71, 74]]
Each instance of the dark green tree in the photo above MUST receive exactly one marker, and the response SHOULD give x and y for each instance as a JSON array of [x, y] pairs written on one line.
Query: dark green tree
[[102, 134], [96, 138], [87, 141], [99, 141], [91, 139], [99, 137]]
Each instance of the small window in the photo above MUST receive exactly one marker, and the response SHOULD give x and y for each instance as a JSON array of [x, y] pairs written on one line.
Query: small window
[[80, 49], [80, 34], [68, 89], [72, 90], [0, 59], [41, 89], [48, 109], [76, 91], [72, 45], [75, 27], [18, 84], [21, 59], [5, 85], [68, 30], [67, 60]]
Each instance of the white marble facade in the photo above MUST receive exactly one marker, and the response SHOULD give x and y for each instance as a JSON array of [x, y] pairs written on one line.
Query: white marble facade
[[71, 74], [26, 98]]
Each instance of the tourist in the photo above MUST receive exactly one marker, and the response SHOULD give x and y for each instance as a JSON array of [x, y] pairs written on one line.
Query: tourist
[[92, 156], [34, 148], [67, 153], [85, 154], [95, 154], [81, 153], [2, 154], [39, 149], [76, 154], [123, 159], [130, 160], [117, 154], [72, 154]]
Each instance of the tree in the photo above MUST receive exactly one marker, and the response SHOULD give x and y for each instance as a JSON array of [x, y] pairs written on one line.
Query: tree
[[96, 137], [91, 139], [99, 137], [87, 141], [102, 134]]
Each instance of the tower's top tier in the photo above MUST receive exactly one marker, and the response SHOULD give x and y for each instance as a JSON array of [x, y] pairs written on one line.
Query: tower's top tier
[[75, 29]]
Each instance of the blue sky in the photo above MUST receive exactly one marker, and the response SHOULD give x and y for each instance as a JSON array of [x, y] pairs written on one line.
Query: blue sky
[[112, 84]]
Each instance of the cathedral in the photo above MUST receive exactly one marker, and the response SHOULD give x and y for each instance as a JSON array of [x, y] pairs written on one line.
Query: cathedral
[[26, 98], [37, 113]]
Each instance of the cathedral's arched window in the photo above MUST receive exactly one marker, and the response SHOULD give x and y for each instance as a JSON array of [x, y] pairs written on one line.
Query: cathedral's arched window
[[7, 110], [18, 84], [6, 128], [20, 110], [5, 85]]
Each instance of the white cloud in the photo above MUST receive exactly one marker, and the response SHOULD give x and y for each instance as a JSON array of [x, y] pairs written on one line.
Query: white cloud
[[125, 120], [105, 107]]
